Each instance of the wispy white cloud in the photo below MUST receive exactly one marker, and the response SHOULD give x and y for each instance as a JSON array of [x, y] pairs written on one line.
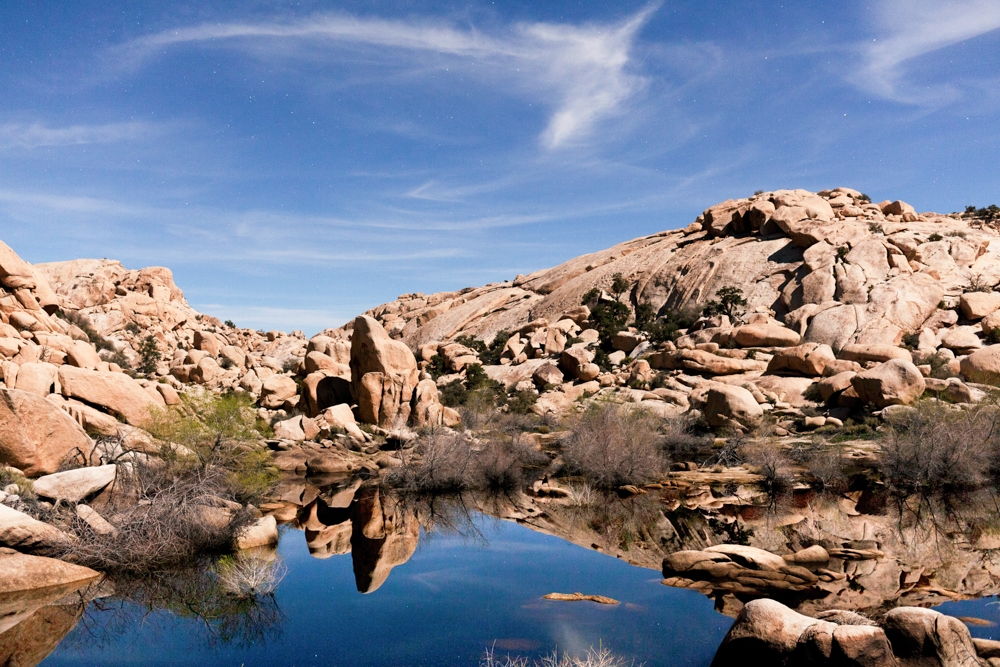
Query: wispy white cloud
[[581, 71], [37, 135], [911, 29], [263, 317]]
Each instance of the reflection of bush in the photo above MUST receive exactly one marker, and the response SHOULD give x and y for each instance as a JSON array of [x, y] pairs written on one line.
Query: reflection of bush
[[594, 657], [196, 594], [247, 574]]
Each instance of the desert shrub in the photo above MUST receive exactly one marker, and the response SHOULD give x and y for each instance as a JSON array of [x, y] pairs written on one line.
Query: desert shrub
[[770, 461], [728, 301], [477, 388], [220, 432], [607, 317], [118, 358], [978, 283], [133, 328], [990, 212], [875, 228], [936, 448], [521, 402], [934, 237], [162, 519], [827, 466], [681, 440], [448, 463], [610, 445], [436, 367], [439, 463], [230, 324], [196, 591], [246, 575], [489, 355], [149, 355], [81, 322], [668, 326], [290, 365]]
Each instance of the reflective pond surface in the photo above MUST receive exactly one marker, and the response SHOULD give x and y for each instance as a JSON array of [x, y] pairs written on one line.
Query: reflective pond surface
[[373, 579], [456, 596]]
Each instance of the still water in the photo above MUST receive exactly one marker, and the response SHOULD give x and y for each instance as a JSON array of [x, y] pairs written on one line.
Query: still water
[[457, 595]]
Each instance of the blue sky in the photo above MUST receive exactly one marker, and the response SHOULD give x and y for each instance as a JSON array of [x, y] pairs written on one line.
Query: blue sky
[[296, 163]]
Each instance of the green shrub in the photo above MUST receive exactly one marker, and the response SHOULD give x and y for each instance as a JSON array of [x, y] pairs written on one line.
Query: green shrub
[[729, 301], [149, 355]]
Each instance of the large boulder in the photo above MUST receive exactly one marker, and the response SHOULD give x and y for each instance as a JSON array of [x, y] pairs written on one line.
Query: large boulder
[[384, 374], [35, 435], [20, 531], [809, 359], [22, 573], [115, 392], [731, 406], [75, 485], [982, 366], [977, 305], [277, 389], [767, 632], [926, 637], [896, 382], [765, 335]]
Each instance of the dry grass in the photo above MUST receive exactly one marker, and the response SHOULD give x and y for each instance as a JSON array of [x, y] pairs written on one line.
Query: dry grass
[[611, 445], [594, 657], [769, 460]]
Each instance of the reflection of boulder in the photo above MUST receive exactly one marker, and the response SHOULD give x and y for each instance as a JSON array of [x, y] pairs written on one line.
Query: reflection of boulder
[[384, 536], [329, 541], [32, 639], [768, 633]]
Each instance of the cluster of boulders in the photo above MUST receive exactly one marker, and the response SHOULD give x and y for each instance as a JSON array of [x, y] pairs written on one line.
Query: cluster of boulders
[[768, 633], [849, 303]]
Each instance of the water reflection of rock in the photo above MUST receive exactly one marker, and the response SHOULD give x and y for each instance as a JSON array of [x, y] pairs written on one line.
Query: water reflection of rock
[[344, 517], [811, 551], [877, 555]]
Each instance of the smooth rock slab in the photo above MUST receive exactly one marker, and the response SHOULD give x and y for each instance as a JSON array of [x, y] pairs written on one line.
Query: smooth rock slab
[[22, 572], [75, 485], [20, 531]]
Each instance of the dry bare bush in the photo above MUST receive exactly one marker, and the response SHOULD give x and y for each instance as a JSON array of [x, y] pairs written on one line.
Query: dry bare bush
[[612, 445], [443, 462], [594, 657], [249, 574], [770, 461], [940, 448], [162, 520], [682, 442]]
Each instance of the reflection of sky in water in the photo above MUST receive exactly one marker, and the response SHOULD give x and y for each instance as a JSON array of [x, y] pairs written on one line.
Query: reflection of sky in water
[[455, 597]]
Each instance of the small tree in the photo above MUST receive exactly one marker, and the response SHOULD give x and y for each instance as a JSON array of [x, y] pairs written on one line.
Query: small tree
[[729, 301], [149, 353], [619, 285]]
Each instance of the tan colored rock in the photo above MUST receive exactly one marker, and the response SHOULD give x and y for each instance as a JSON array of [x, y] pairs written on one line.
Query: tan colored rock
[[384, 374], [925, 636], [82, 355], [726, 406], [92, 518], [20, 531], [116, 392], [809, 359], [895, 382], [427, 408], [205, 371], [962, 340], [207, 342], [233, 355], [290, 429], [977, 305], [878, 353], [35, 435], [982, 366], [261, 533], [829, 387], [701, 361], [36, 378], [765, 335], [277, 389], [75, 485], [575, 360], [24, 573]]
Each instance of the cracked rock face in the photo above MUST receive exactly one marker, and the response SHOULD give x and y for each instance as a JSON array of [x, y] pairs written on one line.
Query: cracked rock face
[[863, 272]]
